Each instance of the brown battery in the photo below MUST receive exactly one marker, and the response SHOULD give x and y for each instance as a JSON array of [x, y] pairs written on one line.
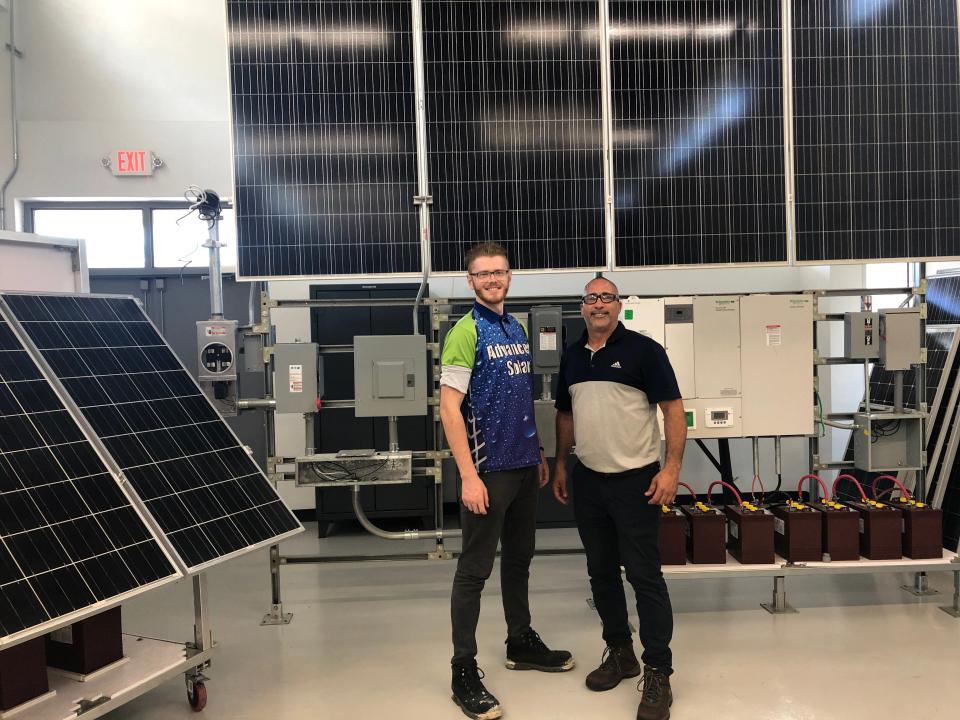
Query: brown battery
[[750, 534], [88, 645], [673, 537], [798, 532], [880, 530], [23, 673], [706, 534], [922, 529], [841, 530]]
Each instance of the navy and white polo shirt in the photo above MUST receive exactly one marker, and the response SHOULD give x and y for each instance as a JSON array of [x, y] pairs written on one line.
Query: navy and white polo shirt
[[613, 394], [487, 357]]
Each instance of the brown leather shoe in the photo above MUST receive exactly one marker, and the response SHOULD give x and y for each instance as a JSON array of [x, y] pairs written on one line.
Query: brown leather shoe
[[656, 695], [617, 663]]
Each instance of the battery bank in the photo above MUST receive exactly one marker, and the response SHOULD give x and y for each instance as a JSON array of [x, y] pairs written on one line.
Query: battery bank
[[798, 532], [673, 536], [880, 530], [840, 530], [750, 534], [922, 529], [706, 534]]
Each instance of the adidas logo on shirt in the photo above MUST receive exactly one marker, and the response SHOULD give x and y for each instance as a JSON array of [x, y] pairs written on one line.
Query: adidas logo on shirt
[[617, 365]]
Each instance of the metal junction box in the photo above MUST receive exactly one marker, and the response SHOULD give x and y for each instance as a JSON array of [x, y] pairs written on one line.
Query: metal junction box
[[297, 376], [900, 338], [390, 375], [888, 441]]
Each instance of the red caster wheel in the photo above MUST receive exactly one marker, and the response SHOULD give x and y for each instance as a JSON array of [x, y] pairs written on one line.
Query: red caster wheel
[[197, 696]]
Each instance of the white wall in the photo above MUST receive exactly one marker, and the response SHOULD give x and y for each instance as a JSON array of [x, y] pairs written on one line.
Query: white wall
[[102, 75]]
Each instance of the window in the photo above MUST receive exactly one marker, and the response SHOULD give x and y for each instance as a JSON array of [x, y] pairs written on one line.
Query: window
[[114, 238], [153, 236], [178, 241]]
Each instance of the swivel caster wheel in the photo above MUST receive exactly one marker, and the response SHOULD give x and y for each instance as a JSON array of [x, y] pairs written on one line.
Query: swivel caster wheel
[[197, 696]]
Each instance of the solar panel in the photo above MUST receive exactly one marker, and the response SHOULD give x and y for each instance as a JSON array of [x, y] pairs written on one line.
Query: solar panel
[[943, 300], [205, 492], [514, 131], [698, 132], [71, 543], [324, 141], [877, 129]]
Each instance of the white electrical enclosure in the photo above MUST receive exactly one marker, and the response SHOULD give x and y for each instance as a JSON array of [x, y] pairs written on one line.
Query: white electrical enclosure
[[643, 315], [776, 334], [716, 337]]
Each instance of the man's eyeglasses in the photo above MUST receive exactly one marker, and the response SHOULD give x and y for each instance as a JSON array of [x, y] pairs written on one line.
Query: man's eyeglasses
[[605, 298], [487, 274]]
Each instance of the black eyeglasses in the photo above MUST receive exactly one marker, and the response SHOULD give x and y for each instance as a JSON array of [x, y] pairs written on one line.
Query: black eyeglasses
[[605, 298], [486, 274]]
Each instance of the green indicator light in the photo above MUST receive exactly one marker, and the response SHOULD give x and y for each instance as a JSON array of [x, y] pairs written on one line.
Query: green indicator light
[[689, 414], [628, 314]]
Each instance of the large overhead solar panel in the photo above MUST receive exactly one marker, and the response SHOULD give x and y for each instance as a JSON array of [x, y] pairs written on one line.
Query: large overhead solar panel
[[698, 127], [71, 542], [514, 131], [877, 129], [206, 494], [324, 140]]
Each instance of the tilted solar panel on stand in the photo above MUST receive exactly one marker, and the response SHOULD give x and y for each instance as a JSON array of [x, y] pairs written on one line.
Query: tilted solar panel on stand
[[698, 132], [877, 129], [324, 141], [205, 492], [943, 300], [514, 131], [69, 537]]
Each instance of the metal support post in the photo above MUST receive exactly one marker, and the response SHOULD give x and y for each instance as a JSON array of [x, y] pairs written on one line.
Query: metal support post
[[920, 587], [546, 394], [779, 604], [216, 270], [202, 635], [392, 434], [276, 616], [955, 608], [309, 433]]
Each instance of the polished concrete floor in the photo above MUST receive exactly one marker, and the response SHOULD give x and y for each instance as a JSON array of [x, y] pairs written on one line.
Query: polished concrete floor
[[371, 640]]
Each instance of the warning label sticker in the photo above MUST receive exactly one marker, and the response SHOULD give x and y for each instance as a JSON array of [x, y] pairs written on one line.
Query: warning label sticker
[[774, 334], [548, 338], [215, 330], [296, 378]]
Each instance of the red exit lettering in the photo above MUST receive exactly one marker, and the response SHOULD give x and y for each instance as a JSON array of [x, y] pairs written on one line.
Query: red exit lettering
[[133, 162]]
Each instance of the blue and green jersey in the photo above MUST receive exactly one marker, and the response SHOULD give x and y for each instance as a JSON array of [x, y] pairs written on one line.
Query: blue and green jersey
[[487, 357]]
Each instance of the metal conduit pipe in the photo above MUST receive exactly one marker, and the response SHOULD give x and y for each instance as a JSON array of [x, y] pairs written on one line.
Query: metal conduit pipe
[[14, 125], [251, 403], [398, 535]]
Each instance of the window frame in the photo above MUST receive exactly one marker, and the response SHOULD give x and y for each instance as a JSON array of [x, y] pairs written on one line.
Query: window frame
[[146, 208]]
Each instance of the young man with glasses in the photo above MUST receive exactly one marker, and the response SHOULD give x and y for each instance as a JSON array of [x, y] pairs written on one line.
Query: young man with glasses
[[611, 382], [486, 407]]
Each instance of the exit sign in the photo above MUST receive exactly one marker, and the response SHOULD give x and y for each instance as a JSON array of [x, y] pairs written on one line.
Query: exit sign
[[132, 162]]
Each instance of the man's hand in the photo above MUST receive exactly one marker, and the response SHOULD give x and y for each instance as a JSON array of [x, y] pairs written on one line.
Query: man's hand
[[560, 484], [543, 470], [473, 495], [663, 487]]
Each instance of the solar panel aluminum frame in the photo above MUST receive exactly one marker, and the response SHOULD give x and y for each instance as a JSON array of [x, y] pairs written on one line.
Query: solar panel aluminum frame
[[111, 464], [943, 405], [98, 607]]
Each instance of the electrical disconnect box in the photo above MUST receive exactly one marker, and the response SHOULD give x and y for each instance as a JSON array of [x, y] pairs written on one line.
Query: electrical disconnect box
[[390, 375], [217, 363], [545, 330], [900, 338], [861, 335], [297, 377]]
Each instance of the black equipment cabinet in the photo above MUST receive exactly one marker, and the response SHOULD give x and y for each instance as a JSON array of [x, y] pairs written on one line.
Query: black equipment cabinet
[[338, 428]]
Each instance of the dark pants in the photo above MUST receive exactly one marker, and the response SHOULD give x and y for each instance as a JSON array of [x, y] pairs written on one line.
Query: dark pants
[[618, 527], [511, 519]]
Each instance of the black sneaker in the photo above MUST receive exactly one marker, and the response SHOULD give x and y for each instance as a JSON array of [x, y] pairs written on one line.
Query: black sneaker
[[527, 652], [618, 662], [470, 694], [656, 696]]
